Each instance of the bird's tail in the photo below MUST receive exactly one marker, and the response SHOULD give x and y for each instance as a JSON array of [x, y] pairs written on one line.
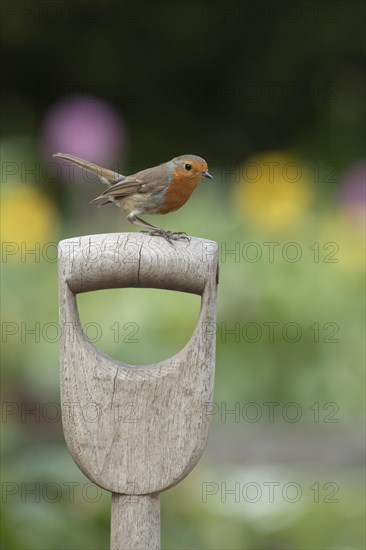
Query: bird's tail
[[98, 203], [106, 176]]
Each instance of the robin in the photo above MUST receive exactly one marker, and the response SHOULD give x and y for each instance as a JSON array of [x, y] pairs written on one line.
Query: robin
[[158, 190]]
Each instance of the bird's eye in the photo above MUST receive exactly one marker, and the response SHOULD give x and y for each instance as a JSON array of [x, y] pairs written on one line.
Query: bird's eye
[[188, 166]]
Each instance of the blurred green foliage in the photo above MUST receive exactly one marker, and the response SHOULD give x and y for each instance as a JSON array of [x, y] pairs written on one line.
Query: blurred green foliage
[[217, 79]]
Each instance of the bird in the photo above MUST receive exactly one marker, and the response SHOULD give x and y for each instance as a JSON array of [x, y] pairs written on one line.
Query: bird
[[158, 190]]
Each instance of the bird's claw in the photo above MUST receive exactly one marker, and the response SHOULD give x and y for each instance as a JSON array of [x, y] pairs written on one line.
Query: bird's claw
[[170, 236], [177, 235]]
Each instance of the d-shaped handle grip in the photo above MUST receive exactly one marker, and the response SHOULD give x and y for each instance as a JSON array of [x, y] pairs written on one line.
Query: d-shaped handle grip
[[100, 262], [169, 428]]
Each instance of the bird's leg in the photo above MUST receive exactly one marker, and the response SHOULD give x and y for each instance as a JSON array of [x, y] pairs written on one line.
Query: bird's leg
[[155, 231], [138, 221]]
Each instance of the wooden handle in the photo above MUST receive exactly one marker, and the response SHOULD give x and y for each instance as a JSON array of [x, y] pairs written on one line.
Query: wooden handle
[[124, 260], [135, 522], [163, 435], [150, 426]]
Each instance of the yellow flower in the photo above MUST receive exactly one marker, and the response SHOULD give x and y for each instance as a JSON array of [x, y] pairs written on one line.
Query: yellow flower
[[272, 190], [27, 217], [344, 242]]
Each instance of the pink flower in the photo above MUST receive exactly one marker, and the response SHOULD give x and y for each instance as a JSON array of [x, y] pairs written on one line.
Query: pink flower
[[86, 127]]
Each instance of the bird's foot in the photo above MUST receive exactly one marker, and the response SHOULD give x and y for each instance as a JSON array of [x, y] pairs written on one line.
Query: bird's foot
[[170, 236]]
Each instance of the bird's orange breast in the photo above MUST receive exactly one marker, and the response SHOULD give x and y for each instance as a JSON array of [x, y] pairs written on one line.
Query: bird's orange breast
[[178, 192]]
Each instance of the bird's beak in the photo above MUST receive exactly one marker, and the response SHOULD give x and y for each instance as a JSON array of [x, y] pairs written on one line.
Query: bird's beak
[[206, 175]]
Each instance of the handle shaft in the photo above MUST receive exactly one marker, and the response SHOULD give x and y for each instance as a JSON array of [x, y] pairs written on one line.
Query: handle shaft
[[135, 522]]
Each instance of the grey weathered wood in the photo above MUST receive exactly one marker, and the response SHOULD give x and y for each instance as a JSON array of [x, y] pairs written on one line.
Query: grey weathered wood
[[136, 430], [135, 522]]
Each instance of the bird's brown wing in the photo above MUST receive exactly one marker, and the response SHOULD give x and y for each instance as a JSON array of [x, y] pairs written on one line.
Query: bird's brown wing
[[151, 180], [106, 176]]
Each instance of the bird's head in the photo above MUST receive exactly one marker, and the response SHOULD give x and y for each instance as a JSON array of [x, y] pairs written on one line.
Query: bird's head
[[190, 166]]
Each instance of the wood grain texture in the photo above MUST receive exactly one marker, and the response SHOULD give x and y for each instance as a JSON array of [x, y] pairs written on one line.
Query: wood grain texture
[[159, 443], [135, 523]]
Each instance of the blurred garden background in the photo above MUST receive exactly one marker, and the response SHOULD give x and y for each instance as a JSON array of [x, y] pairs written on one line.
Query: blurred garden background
[[272, 95]]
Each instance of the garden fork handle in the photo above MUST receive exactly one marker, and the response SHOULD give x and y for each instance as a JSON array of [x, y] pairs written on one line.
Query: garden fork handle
[[100, 262]]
